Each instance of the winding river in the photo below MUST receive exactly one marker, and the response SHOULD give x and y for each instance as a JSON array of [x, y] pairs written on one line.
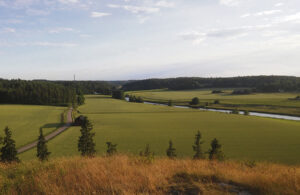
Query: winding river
[[267, 115]]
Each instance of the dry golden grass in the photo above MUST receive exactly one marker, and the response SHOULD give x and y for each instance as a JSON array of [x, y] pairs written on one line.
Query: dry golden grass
[[129, 175]]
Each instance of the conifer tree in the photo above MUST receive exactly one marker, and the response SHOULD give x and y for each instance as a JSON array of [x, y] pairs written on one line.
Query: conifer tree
[[111, 148], [197, 147], [216, 153], [171, 151], [9, 151], [86, 143], [42, 150]]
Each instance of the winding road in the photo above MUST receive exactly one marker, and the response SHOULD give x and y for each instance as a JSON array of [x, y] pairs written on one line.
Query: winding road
[[51, 135]]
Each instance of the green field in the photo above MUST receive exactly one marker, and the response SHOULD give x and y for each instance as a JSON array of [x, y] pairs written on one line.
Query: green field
[[281, 103], [132, 126], [25, 121]]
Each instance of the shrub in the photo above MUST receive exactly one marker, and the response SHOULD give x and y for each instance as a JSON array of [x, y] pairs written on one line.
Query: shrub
[[111, 149], [195, 101]]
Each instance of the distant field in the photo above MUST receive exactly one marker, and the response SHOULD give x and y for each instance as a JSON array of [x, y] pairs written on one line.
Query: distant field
[[281, 103], [25, 121], [132, 126]]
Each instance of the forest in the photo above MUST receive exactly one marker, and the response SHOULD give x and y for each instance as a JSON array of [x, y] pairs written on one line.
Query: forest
[[256, 83], [35, 92]]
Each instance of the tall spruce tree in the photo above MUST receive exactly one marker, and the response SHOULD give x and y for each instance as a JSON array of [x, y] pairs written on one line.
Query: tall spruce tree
[[86, 143], [197, 147], [171, 151], [111, 148], [9, 151], [42, 150], [216, 153]]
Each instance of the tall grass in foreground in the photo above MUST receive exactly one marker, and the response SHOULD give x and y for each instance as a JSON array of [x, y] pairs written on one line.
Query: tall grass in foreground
[[129, 175]]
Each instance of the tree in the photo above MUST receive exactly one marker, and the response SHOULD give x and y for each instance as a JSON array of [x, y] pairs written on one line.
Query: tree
[[42, 150], [246, 112], [118, 94], [9, 151], [170, 103], [197, 147], [195, 101], [86, 143], [111, 148], [215, 153], [171, 152], [80, 98]]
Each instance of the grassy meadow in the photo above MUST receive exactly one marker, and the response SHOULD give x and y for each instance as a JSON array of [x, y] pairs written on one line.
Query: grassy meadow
[[281, 103], [129, 175], [133, 125], [25, 121]]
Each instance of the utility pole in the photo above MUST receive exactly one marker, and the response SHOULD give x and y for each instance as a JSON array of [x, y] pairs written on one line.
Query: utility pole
[[74, 77]]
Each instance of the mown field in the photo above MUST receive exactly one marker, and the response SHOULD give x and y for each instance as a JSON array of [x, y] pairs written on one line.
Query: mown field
[[133, 125], [281, 103], [25, 121]]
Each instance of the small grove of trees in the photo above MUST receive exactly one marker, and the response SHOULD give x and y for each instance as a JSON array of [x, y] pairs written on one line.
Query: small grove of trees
[[132, 98], [42, 150], [118, 94], [195, 101], [8, 150], [217, 91], [242, 92], [86, 145]]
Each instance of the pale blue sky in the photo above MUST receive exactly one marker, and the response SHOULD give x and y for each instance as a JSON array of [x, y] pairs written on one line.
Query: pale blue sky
[[136, 39]]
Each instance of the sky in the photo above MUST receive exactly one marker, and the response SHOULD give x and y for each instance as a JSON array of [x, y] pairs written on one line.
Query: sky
[[140, 39]]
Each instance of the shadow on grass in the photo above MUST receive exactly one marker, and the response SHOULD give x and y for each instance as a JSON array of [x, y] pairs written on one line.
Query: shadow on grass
[[51, 125]]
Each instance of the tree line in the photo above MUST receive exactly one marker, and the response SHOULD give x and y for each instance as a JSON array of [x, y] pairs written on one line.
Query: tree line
[[255, 83], [35, 93], [86, 147]]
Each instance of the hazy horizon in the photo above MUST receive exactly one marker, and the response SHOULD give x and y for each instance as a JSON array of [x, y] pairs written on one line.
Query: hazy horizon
[[139, 39]]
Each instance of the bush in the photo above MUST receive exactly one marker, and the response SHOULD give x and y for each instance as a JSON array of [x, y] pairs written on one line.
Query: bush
[[217, 102], [235, 111], [195, 101], [217, 91]]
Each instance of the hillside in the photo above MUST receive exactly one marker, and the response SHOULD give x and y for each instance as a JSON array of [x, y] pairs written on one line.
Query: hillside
[[130, 175], [258, 83]]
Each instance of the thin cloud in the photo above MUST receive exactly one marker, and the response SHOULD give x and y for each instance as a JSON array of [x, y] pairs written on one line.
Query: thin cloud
[[279, 4], [136, 9], [99, 14], [53, 44], [165, 4], [230, 3], [262, 13], [61, 30], [236, 32], [8, 30]]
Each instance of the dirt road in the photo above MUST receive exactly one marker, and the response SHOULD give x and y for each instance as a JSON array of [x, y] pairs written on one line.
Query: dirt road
[[51, 135]]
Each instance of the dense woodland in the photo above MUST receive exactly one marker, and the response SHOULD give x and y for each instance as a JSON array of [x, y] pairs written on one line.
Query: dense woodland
[[35, 92], [256, 83], [43, 92], [88, 87]]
